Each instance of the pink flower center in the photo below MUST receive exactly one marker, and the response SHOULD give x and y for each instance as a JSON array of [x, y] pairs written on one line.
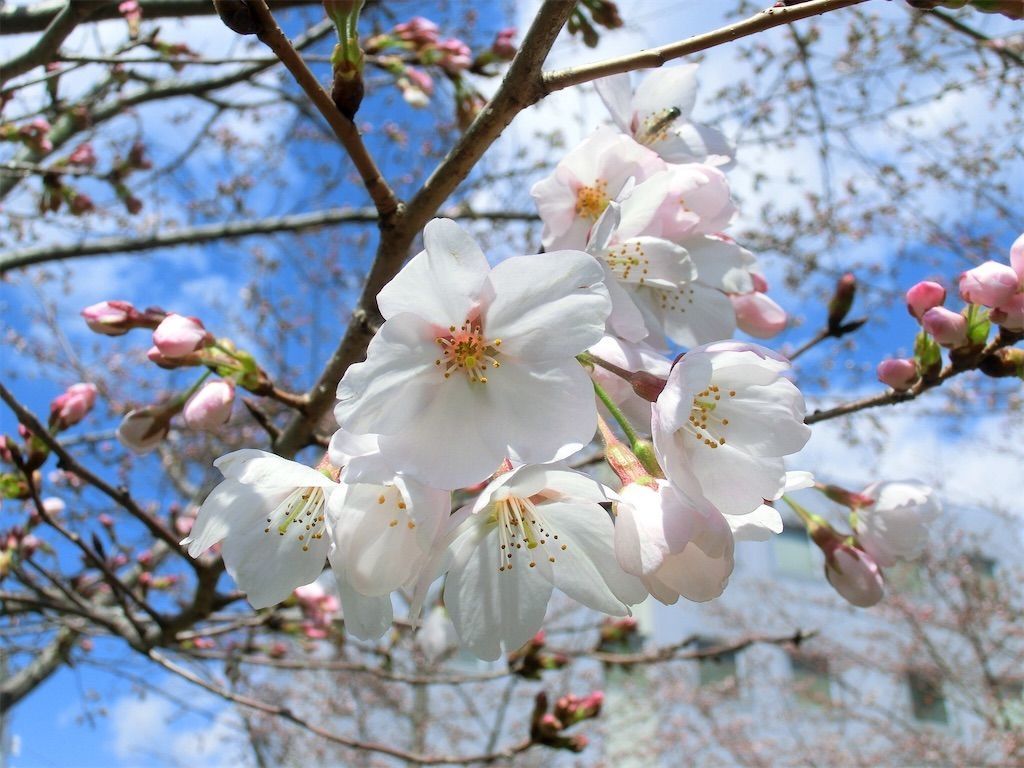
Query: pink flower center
[[466, 349], [626, 260], [591, 201]]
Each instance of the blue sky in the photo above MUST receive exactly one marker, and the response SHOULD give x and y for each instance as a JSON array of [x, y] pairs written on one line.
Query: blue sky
[[198, 280]]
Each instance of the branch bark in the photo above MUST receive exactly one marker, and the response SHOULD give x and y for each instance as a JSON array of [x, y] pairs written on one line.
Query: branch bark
[[17, 686], [45, 48], [204, 233]]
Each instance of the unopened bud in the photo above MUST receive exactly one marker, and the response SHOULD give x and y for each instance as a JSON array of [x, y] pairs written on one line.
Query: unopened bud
[[210, 407], [924, 296], [142, 430], [1011, 314], [841, 302], [237, 16], [72, 406], [948, 328], [990, 284], [899, 373], [647, 385], [851, 499], [177, 335], [758, 315]]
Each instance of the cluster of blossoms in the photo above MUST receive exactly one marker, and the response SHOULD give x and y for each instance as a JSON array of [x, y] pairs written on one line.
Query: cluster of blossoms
[[179, 342], [994, 295], [483, 380], [420, 39]]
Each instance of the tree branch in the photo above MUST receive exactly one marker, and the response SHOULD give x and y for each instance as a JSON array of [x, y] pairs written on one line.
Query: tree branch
[[380, 191], [15, 687], [656, 57], [204, 233], [45, 48]]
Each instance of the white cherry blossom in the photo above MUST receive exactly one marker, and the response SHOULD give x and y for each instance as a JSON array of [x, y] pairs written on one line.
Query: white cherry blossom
[[573, 198], [658, 113], [270, 515], [677, 546], [531, 530], [473, 364], [895, 527], [724, 422]]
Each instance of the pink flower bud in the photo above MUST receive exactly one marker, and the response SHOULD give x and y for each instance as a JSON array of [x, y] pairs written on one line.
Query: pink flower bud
[[948, 328], [758, 315], [177, 335], [420, 79], [83, 156], [71, 407], [210, 407], [111, 318], [1011, 314], [924, 296], [854, 575], [455, 55], [760, 284], [900, 373], [106, 520], [144, 429], [81, 204], [989, 284], [503, 46], [418, 30]]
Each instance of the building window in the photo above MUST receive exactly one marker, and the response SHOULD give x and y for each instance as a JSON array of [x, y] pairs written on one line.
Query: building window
[[792, 552], [926, 697], [718, 672], [812, 684], [1011, 698]]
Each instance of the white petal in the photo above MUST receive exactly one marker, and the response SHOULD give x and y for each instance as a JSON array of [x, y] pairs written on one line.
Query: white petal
[[489, 607], [587, 569], [267, 470], [228, 506], [441, 283], [543, 415], [665, 88], [689, 142], [641, 260], [695, 575], [616, 92], [758, 525], [721, 264], [765, 420], [366, 618], [691, 315], [547, 307], [399, 378], [626, 320], [457, 421]]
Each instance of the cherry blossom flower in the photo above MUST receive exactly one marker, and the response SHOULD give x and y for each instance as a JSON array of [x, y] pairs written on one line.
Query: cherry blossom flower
[[532, 530], [725, 420], [572, 199], [684, 200], [270, 515], [895, 526], [480, 361], [657, 115], [677, 546]]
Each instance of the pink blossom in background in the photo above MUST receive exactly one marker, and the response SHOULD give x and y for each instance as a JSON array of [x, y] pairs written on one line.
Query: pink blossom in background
[[210, 407], [72, 406], [900, 373], [178, 335]]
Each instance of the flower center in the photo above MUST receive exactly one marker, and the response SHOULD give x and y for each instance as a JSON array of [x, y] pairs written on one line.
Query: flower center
[[591, 201], [467, 349], [303, 508], [655, 126], [628, 261], [391, 498], [521, 523], [703, 423]]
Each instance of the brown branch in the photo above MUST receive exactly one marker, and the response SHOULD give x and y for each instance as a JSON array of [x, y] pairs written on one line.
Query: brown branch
[[18, 20], [674, 652], [368, 746], [1006, 54], [45, 48], [119, 496], [14, 687], [380, 192], [892, 397], [204, 233], [656, 57]]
